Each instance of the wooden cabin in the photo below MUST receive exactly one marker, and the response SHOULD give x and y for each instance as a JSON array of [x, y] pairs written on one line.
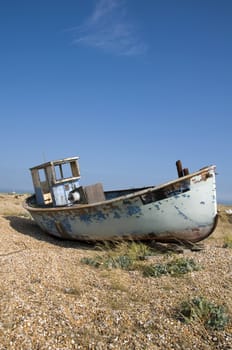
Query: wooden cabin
[[53, 181]]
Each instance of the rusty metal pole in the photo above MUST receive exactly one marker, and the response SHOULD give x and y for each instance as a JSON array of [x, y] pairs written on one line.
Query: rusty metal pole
[[185, 171], [179, 168]]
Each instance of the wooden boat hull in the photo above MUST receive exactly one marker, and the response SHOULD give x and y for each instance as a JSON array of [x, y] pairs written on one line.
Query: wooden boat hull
[[184, 210]]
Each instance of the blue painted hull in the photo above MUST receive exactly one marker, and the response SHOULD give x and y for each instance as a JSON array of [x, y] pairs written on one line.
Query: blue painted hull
[[184, 209]]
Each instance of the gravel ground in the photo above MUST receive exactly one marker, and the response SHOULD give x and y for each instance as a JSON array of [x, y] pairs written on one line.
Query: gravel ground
[[51, 300]]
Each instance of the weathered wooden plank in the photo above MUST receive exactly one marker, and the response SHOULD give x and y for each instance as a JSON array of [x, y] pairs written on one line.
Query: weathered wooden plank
[[94, 193]]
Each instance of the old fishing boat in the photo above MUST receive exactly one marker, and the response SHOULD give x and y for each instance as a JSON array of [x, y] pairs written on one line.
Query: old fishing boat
[[184, 209]]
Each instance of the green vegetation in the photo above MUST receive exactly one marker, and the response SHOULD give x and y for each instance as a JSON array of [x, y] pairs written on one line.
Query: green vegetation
[[131, 256], [96, 262], [123, 255], [211, 315], [175, 268], [227, 242]]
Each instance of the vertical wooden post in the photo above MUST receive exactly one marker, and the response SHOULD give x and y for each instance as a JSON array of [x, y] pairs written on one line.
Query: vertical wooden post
[[179, 168]]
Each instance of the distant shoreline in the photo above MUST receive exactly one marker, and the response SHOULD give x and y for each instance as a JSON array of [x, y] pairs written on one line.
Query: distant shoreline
[[6, 191]]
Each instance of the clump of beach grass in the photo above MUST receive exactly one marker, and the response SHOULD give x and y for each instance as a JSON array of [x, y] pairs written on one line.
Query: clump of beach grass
[[131, 256], [176, 267], [227, 242], [123, 255], [200, 309]]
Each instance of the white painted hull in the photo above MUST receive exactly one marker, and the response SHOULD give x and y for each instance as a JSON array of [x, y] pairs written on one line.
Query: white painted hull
[[183, 209]]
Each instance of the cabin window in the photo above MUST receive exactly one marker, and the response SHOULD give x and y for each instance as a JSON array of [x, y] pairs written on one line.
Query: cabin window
[[42, 175], [63, 171], [43, 180]]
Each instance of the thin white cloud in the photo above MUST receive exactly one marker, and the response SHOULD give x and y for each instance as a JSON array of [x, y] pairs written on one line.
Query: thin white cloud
[[108, 29]]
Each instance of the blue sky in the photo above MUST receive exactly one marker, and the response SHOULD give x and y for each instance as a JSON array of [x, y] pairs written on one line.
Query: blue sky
[[128, 85]]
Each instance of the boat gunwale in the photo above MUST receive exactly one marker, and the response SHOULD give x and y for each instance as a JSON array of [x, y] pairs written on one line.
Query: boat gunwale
[[143, 191]]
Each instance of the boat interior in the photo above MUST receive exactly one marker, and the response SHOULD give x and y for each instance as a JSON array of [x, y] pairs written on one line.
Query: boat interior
[[56, 183]]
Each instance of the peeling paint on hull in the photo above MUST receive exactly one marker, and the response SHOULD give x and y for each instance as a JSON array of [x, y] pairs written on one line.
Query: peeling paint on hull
[[183, 209]]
